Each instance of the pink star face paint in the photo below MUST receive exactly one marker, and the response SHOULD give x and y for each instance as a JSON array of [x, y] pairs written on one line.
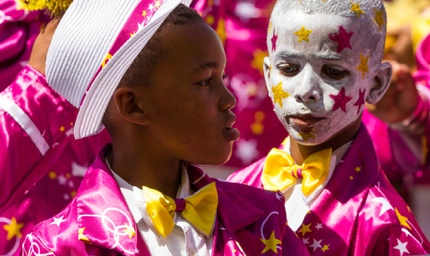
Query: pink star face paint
[[342, 38], [321, 68]]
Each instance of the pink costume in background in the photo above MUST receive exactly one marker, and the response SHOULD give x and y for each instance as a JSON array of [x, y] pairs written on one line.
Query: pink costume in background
[[402, 149], [41, 165], [18, 30], [98, 221], [37, 147], [357, 212], [403, 153], [242, 25]]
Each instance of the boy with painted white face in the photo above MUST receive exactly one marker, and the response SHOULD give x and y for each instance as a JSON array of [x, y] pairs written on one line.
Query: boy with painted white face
[[324, 63]]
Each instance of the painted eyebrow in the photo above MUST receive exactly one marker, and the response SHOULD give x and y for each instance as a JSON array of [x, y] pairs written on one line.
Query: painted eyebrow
[[294, 55]]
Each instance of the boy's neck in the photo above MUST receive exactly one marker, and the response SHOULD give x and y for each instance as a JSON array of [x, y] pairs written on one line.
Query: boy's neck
[[300, 152], [138, 169]]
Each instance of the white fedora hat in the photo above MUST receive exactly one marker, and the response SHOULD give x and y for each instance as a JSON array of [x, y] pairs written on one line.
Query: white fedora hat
[[93, 46]]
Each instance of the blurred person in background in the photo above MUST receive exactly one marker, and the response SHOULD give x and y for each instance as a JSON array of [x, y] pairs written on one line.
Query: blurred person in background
[[398, 123], [47, 163]]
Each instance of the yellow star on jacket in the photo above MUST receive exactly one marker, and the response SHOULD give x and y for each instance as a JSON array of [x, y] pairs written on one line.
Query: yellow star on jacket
[[83, 237], [280, 171], [13, 229], [305, 229], [271, 243], [402, 219], [198, 209]]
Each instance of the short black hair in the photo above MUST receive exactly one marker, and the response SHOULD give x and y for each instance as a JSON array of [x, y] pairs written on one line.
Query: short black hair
[[140, 70]]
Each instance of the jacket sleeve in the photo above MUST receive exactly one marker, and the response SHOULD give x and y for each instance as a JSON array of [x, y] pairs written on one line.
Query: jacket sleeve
[[35, 126], [397, 240], [18, 29]]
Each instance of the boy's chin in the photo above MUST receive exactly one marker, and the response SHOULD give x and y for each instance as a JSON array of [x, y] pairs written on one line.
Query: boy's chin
[[309, 142], [308, 138]]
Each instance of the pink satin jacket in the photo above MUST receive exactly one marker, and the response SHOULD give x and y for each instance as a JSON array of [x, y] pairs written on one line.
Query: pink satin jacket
[[358, 212], [97, 222], [41, 164]]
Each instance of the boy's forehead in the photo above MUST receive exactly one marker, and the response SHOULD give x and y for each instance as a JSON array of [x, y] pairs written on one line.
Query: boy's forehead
[[328, 32], [294, 18]]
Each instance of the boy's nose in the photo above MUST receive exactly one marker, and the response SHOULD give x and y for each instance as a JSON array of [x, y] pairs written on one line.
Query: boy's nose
[[227, 100], [308, 89]]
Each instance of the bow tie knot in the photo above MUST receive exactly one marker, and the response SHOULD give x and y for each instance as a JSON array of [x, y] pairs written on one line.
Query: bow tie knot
[[198, 209], [281, 173], [297, 172]]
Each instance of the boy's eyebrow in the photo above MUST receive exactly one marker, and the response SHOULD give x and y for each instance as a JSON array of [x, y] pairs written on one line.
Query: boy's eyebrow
[[295, 55], [207, 65]]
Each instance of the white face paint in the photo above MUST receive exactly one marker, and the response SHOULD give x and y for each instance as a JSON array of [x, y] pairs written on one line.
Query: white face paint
[[319, 73]]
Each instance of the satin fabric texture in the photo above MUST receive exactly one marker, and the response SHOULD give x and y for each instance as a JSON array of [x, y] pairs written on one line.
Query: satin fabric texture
[[358, 212]]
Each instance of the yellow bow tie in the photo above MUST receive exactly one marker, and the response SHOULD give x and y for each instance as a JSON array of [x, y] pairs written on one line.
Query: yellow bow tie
[[198, 209], [280, 172]]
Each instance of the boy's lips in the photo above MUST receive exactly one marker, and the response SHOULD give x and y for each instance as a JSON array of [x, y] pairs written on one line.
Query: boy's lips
[[229, 132], [304, 120]]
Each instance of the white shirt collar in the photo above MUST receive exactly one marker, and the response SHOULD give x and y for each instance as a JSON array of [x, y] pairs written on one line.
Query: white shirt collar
[[184, 238], [126, 188]]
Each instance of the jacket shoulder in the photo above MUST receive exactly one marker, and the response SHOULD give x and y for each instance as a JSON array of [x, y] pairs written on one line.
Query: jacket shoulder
[[57, 235], [250, 175]]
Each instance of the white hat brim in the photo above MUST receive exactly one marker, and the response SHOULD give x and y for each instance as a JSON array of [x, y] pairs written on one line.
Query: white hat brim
[[93, 107]]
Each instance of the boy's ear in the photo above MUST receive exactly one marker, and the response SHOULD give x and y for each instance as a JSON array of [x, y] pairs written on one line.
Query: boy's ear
[[266, 67], [129, 106], [381, 82]]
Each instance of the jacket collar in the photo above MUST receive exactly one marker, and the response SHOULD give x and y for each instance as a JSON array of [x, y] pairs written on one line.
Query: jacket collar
[[100, 203], [347, 188], [233, 212], [358, 169]]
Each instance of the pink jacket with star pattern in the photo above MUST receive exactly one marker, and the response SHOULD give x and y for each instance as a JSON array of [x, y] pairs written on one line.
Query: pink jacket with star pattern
[[97, 222], [41, 164], [358, 212]]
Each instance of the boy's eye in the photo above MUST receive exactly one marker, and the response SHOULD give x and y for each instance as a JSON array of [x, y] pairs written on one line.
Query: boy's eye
[[206, 82], [288, 69], [210, 80], [335, 72]]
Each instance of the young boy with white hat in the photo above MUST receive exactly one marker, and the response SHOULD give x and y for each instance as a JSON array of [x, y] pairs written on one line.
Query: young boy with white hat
[[151, 72]]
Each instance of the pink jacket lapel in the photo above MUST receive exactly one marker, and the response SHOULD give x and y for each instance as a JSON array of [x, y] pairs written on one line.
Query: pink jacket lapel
[[103, 216]]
